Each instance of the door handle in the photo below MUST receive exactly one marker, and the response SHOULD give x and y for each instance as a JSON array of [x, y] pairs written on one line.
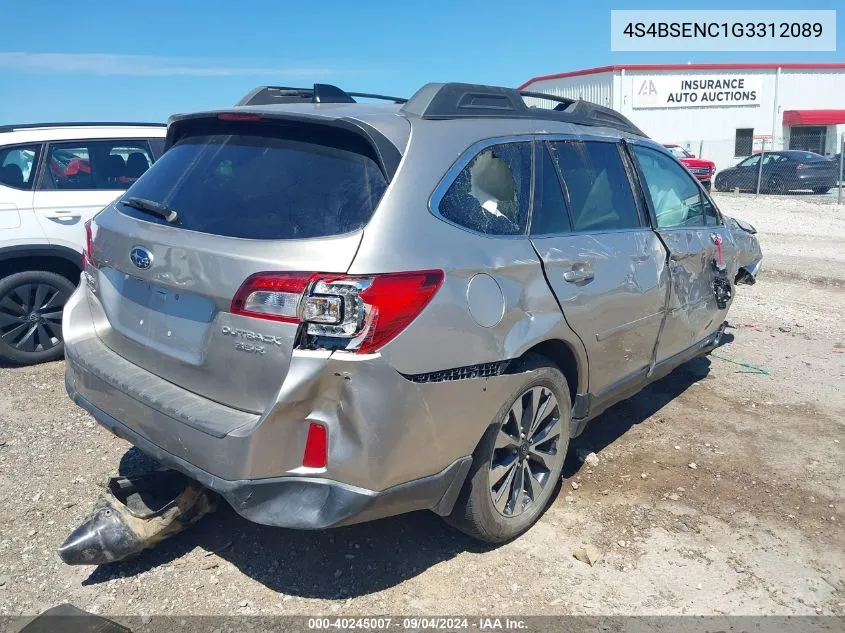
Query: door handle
[[65, 218], [577, 276]]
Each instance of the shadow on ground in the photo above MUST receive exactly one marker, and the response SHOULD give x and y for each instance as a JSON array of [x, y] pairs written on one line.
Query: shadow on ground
[[616, 421], [370, 557]]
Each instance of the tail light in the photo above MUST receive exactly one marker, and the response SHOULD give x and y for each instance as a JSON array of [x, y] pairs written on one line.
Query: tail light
[[359, 313], [89, 250], [240, 116]]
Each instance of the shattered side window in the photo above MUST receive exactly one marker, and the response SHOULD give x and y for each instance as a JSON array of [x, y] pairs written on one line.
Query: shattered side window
[[490, 195]]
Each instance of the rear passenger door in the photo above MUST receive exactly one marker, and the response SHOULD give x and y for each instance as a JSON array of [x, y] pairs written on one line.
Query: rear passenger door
[[689, 225], [601, 259], [78, 178]]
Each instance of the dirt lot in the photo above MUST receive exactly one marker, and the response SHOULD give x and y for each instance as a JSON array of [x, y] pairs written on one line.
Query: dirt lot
[[719, 490]]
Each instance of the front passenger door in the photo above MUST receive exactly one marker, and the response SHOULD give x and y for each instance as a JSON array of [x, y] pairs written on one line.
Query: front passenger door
[[688, 225]]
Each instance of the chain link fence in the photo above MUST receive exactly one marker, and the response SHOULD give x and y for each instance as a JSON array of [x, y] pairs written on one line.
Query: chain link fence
[[766, 166]]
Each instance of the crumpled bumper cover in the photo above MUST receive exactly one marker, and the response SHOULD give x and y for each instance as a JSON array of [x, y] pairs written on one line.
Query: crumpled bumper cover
[[301, 502]]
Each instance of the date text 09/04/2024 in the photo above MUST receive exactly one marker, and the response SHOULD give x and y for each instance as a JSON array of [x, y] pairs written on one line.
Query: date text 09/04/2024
[[716, 30]]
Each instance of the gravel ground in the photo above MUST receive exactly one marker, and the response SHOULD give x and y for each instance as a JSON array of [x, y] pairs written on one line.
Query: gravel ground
[[718, 490]]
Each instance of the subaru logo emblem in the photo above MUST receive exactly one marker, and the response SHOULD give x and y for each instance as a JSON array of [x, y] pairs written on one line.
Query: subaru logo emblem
[[141, 257]]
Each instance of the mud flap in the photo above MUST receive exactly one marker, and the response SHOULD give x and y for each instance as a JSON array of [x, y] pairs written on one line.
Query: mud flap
[[137, 513]]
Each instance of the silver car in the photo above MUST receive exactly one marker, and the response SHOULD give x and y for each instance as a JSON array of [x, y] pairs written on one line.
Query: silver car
[[330, 311]]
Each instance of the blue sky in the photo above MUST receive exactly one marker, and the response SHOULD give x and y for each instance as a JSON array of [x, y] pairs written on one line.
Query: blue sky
[[144, 60]]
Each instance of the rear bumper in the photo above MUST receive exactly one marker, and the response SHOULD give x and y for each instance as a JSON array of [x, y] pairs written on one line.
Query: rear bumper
[[303, 502], [813, 181], [395, 445]]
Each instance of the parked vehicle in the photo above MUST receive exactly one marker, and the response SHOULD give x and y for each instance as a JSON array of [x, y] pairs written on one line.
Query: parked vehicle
[[783, 171], [53, 178], [701, 168], [314, 309]]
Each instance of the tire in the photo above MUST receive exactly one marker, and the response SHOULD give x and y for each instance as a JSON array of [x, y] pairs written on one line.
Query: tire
[[821, 190], [721, 185], [475, 512], [775, 185], [31, 307]]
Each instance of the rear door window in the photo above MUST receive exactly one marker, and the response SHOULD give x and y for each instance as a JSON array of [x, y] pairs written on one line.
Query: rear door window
[[549, 215], [18, 165], [491, 194], [95, 165], [600, 194], [264, 185]]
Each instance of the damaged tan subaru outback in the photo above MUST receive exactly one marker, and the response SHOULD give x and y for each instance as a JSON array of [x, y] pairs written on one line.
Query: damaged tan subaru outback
[[330, 311]]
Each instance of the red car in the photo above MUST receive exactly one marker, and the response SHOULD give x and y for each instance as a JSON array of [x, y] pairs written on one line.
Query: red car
[[701, 168]]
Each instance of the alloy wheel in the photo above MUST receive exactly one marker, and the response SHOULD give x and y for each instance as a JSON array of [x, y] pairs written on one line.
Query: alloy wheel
[[776, 185], [31, 317], [526, 452]]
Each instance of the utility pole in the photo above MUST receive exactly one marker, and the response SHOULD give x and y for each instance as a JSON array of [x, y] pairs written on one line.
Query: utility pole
[[841, 166]]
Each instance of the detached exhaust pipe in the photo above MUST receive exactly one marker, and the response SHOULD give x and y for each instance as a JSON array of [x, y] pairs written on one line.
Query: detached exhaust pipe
[[137, 513]]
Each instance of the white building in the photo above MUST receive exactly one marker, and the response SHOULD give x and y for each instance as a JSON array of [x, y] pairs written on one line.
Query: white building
[[719, 111]]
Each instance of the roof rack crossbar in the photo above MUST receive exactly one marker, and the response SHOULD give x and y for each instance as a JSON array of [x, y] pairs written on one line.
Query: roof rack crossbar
[[29, 126], [459, 100], [543, 95], [318, 93]]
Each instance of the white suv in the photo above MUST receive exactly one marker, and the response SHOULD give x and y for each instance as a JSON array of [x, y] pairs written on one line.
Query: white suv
[[54, 177]]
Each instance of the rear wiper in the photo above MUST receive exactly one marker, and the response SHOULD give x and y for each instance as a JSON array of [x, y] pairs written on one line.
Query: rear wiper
[[152, 207]]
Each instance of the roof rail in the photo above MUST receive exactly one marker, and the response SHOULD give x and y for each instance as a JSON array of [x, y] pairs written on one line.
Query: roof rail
[[319, 93], [29, 126], [459, 100]]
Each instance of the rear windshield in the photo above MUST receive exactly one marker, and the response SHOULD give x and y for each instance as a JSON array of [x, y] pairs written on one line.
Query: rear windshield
[[807, 157], [255, 186]]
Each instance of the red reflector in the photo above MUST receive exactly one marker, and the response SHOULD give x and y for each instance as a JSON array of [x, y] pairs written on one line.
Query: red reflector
[[397, 299], [86, 254], [316, 447], [240, 116]]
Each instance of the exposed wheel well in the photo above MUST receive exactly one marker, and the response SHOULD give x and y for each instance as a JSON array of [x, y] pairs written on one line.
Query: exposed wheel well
[[53, 264], [561, 354]]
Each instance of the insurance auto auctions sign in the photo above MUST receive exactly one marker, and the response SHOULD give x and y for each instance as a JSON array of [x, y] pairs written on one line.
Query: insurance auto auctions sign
[[703, 91]]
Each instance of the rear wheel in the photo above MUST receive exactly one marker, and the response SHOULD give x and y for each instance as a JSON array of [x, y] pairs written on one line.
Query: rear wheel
[[31, 307], [517, 465], [776, 185], [821, 190]]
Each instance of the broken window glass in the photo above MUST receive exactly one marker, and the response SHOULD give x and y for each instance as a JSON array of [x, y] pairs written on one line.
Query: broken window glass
[[490, 195]]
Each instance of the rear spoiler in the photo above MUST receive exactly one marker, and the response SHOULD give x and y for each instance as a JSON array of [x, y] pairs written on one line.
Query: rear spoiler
[[387, 155]]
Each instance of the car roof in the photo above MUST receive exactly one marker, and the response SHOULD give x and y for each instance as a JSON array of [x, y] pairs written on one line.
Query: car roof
[[459, 113], [45, 132]]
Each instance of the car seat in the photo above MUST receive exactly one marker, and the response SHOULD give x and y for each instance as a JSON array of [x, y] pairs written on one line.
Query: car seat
[[12, 175]]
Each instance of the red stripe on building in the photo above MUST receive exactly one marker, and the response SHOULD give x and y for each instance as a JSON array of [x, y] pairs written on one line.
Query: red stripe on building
[[813, 117]]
